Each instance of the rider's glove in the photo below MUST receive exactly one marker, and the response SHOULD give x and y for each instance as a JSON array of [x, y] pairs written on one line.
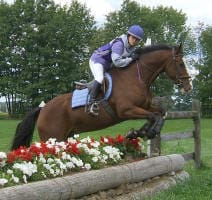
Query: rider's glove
[[134, 56]]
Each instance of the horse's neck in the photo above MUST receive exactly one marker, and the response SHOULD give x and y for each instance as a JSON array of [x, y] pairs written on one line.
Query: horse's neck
[[151, 67]]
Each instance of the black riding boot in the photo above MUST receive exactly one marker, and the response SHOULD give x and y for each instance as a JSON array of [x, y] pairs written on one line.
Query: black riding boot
[[93, 105]]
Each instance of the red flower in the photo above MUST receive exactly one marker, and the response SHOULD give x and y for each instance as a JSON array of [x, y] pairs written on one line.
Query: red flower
[[72, 148], [120, 139], [21, 153]]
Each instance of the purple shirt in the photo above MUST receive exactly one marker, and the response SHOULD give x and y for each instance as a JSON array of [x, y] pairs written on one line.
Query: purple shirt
[[116, 53]]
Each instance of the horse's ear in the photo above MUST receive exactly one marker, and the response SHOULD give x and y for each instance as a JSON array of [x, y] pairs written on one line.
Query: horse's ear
[[179, 48]]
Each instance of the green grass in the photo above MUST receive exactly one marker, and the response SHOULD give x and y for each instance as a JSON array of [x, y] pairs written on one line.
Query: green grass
[[197, 187]]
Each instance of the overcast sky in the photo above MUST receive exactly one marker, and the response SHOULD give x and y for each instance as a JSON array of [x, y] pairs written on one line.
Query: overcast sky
[[196, 10]]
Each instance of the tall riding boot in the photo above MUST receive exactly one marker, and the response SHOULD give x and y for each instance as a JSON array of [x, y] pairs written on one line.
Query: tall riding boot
[[93, 105]]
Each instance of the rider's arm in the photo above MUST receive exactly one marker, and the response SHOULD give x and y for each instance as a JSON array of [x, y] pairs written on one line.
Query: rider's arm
[[116, 55]]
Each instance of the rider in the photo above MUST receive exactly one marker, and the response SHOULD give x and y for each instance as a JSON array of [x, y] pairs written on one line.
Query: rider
[[117, 53]]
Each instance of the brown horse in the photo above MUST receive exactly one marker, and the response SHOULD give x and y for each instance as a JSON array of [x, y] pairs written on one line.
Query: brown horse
[[130, 99]]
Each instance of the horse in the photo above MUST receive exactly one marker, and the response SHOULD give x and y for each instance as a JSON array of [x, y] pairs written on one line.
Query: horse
[[131, 98]]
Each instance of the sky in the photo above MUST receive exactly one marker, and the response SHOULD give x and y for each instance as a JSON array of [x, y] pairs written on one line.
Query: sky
[[196, 10]]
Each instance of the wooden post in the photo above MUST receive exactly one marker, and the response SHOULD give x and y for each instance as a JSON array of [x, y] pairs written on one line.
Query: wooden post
[[155, 146], [197, 133]]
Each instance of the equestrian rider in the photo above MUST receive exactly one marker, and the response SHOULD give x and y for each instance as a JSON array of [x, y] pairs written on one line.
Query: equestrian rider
[[117, 53]]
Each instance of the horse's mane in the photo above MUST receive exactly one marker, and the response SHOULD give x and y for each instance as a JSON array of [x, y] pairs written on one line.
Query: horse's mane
[[151, 48]]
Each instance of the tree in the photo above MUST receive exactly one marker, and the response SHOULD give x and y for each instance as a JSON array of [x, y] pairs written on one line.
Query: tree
[[43, 48], [204, 78]]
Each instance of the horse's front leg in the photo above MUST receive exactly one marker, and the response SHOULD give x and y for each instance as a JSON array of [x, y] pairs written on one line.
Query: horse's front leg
[[150, 129]]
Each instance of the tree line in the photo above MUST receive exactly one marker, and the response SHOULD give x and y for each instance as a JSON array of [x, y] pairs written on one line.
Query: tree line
[[44, 47]]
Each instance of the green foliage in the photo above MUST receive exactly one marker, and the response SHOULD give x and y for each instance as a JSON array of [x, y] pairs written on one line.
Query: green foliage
[[204, 79], [43, 48]]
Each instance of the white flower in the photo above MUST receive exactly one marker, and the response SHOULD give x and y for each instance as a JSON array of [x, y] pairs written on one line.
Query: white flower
[[77, 162], [9, 171], [94, 152], [86, 140], [76, 136], [95, 144], [3, 155], [106, 140], [87, 166], [49, 160], [3, 181], [113, 153], [51, 141], [69, 165], [94, 159], [61, 144], [15, 179], [43, 174], [25, 178], [58, 172], [72, 140], [57, 149], [2, 163], [83, 146], [42, 159], [47, 166], [26, 167], [51, 171], [61, 165]]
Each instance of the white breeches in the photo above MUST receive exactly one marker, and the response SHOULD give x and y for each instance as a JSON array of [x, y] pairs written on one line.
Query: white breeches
[[97, 70]]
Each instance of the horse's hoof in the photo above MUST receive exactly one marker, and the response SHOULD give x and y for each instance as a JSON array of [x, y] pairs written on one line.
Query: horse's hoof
[[132, 134]]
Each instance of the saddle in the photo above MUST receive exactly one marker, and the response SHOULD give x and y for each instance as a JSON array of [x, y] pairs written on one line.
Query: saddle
[[81, 94], [82, 84]]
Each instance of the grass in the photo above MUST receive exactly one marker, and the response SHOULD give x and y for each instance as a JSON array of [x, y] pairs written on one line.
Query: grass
[[197, 187]]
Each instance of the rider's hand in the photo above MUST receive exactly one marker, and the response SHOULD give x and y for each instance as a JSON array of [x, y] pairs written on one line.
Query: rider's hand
[[135, 56]]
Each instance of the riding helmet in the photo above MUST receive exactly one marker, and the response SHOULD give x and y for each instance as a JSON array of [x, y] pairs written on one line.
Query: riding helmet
[[136, 31]]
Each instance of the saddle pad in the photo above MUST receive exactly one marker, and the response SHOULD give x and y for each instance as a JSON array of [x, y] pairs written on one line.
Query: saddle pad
[[79, 98]]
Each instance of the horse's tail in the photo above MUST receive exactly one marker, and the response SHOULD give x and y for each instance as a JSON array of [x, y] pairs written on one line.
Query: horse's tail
[[25, 129]]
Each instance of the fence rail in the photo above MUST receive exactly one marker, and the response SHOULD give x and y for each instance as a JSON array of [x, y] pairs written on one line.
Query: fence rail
[[194, 114]]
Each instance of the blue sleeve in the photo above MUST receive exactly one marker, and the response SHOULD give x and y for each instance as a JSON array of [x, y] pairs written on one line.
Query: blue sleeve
[[116, 55]]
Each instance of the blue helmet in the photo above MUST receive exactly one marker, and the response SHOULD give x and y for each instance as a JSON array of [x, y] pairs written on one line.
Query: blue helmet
[[136, 31]]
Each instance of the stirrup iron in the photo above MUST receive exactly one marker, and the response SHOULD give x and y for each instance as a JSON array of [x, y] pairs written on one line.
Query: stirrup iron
[[94, 108]]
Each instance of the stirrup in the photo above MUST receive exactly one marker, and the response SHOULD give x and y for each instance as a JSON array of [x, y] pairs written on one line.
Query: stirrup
[[94, 108]]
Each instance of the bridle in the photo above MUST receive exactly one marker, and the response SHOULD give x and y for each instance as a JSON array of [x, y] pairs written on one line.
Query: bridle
[[178, 78]]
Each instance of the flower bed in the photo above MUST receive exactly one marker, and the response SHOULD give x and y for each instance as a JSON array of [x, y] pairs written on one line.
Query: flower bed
[[51, 159]]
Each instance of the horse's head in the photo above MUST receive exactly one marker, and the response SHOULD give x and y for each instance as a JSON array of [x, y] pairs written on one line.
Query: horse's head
[[177, 71]]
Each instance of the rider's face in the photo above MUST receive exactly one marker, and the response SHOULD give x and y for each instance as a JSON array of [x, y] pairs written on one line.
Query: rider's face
[[133, 41]]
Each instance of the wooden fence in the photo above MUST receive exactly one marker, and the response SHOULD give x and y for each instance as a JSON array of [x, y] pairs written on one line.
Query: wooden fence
[[194, 114]]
